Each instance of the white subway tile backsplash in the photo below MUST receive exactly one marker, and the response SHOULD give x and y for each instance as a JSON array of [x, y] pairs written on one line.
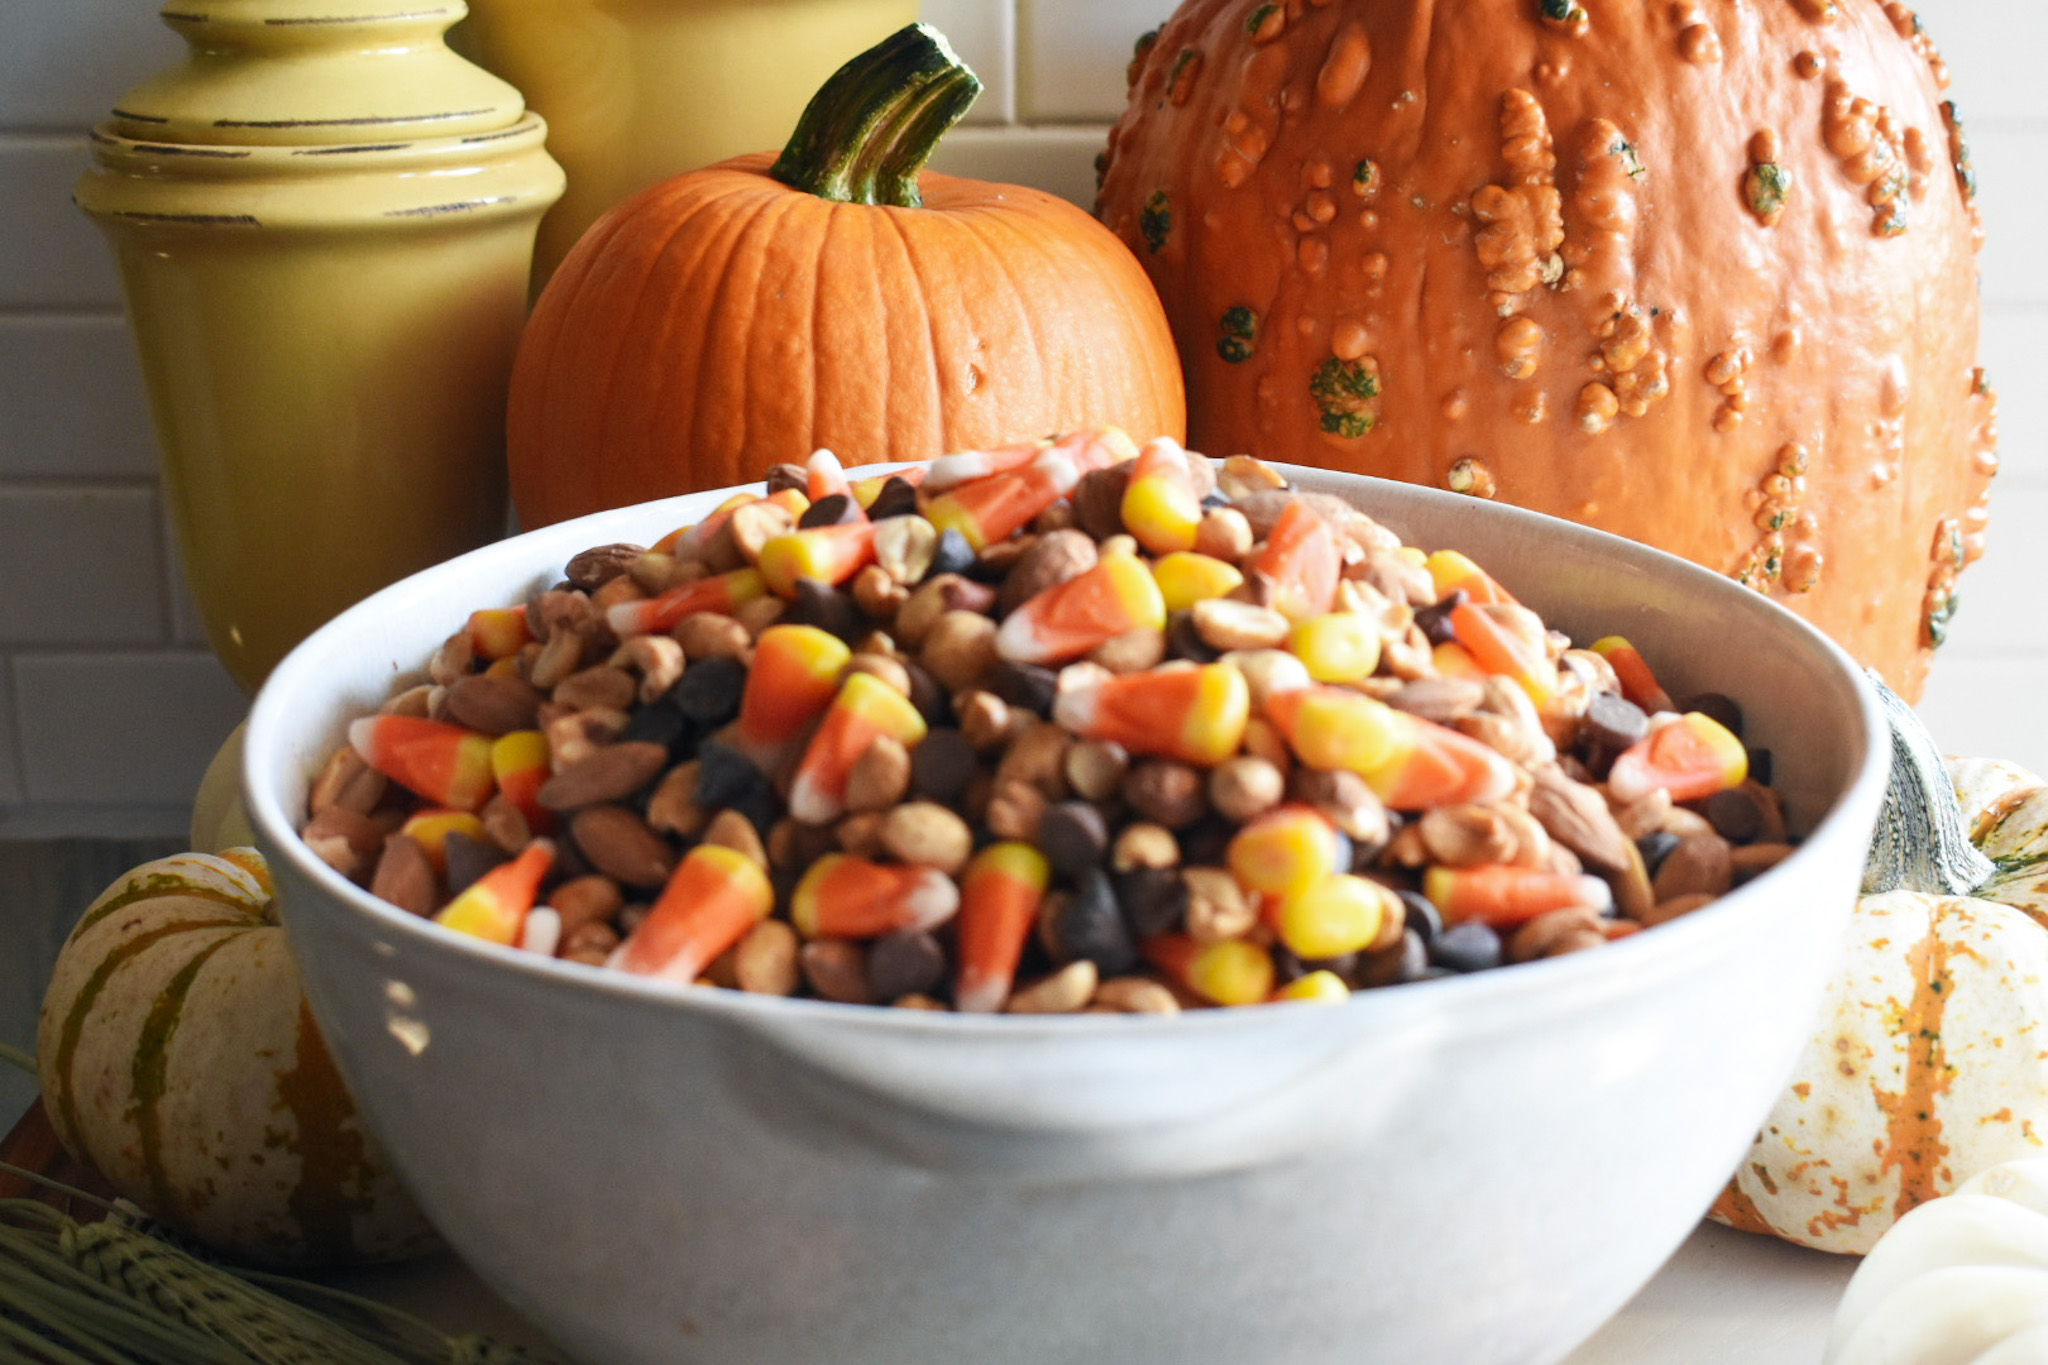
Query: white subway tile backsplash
[[73, 400], [64, 62], [85, 565], [1990, 49], [123, 728], [1071, 57], [1977, 708], [1059, 161], [2015, 351], [2013, 191], [985, 36], [10, 751], [54, 256]]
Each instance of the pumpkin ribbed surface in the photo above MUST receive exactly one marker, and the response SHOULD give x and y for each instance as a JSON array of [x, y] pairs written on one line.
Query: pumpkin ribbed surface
[[723, 322], [1704, 276], [178, 1058]]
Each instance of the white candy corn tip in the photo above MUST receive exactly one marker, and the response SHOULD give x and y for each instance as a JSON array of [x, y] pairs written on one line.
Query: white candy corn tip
[[625, 619], [811, 804], [362, 735], [980, 995], [1076, 705], [543, 931], [932, 901], [1017, 640]]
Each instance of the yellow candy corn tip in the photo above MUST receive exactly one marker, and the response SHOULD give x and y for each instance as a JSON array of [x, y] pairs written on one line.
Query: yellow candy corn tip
[[1320, 987], [1012, 859]]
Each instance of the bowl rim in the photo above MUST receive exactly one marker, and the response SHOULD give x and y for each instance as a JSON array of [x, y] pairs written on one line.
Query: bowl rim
[[1531, 990]]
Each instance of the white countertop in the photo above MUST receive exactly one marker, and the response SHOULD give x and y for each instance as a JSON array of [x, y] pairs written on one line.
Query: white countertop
[[1725, 1297]]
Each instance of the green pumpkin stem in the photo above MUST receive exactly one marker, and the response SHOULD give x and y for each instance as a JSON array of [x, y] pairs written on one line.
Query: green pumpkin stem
[[870, 128], [1921, 843]]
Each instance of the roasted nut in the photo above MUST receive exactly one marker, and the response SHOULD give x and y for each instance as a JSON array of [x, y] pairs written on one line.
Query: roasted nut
[[590, 944], [1244, 787], [904, 547], [1347, 801], [1037, 754], [560, 655], [1132, 651], [619, 844], [935, 597], [837, 969], [583, 900], [1217, 908], [658, 573], [1095, 768], [1555, 934], [1245, 475], [1665, 911], [764, 961], [761, 613], [876, 593], [710, 635], [1052, 560], [883, 667], [1223, 533], [860, 834], [620, 589], [880, 776], [603, 688], [987, 720], [1165, 792], [1135, 995], [1141, 844], [1066, 991], [959, 650], [417, 700], [1466, 836], [754, 524], [1226, 625], [505, 825], [1099, 501], [928, 834], [658, 659], [1013, 810], [730, 829], [575, 736], [347, 782], [673, 807], [1702, 864], [453, 659], [610, 773], [491, 703], [405, 876], [1751, 859]]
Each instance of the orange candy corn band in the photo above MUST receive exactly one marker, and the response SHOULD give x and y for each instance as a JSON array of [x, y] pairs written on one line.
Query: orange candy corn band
[[999, 898], [712, 898], [446, 764], [494, 907], [1069, 619], [847, 897]]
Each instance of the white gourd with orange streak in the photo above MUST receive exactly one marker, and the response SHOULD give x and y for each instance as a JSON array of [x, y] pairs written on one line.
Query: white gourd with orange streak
[[1926, 1067]]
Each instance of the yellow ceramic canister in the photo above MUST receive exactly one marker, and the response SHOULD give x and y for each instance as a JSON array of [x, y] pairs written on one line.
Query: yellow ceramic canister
[[324, 222], [635, 91]]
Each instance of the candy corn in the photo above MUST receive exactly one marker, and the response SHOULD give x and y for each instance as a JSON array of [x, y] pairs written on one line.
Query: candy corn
[[446, 764], [794, 676], [1287, 851], [1450, 571], [499, 632], [494, 906], [847, 897], [1409, 762], [864, 710], [653, 615], [825, 477], [430, 829], [999, 898], [1186, 578], [829, 554], [687, 542], [966, 466], [1691, 758], [1302, 562], [1161, 507], [1197, 715], [1638, 683], [985, 510], [1069, 619], [712, 898], [1337, 647], [1232, 972], [1503, 896], [865, 491], [1499, 650], [1336, 915], [519, 762]]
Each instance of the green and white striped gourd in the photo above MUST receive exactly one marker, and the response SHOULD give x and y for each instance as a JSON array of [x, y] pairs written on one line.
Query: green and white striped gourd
[[178, 1057]]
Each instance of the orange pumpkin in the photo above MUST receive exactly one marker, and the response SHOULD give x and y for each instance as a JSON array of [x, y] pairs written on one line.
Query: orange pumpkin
[[751, 312], [1700, 274]]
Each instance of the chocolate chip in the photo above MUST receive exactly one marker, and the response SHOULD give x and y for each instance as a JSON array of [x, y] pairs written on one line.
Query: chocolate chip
[[467, 859], [953, 555], [785, 477], [1467, 947], [661, 723], [897, 498], [1612, 724], [725, 775], [1406, 961], [830, 610], [941, 766], [1154, 900], [1435, 620], [1760, 765], [906, 962], [1655, 847], [1091, 925], [1720, 707], [1214, 501], [1183, 641], [1420, 915], [928, 695], [835, 509], [709, 690], [1025, 685], [1074, 837], [1735, 815]]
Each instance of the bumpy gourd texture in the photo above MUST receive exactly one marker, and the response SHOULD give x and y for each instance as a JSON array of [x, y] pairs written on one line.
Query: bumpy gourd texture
[[1703, 275], [724, 322]]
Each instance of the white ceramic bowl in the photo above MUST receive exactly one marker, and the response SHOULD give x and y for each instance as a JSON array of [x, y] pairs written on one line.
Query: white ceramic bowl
[[1472, 1170]]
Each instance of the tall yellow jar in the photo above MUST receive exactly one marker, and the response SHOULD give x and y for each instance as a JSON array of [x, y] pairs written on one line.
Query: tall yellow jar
[[635, 91], [324, 223]]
